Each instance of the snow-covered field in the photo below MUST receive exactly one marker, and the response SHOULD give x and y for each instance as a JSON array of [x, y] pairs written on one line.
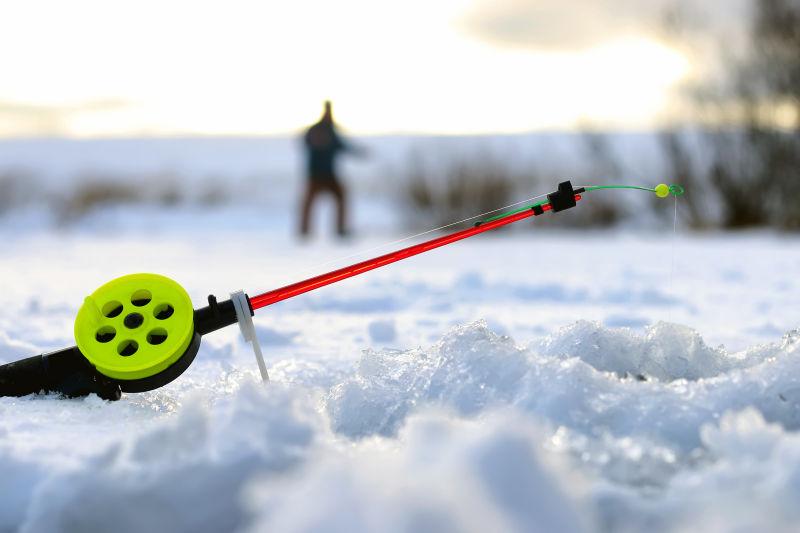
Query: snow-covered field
[[526, 381]]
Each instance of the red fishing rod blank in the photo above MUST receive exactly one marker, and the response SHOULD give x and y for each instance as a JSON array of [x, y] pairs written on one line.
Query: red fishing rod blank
[[563, 199]]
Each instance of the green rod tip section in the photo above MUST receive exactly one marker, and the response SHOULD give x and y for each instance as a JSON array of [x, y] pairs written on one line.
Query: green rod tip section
[[662, 190]]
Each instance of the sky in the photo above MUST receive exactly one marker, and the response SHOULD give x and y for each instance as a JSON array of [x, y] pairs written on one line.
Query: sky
[[93, 68]]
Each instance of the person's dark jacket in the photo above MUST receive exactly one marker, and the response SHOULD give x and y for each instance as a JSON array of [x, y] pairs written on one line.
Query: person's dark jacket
[[323, 144]]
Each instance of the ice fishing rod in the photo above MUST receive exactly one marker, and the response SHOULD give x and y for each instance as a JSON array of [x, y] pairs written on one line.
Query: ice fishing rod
[[139, 332]]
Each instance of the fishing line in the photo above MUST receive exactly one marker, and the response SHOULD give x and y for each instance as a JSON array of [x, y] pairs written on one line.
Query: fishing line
[[672, 258], [634, 187], [418, 235], [661, 190]]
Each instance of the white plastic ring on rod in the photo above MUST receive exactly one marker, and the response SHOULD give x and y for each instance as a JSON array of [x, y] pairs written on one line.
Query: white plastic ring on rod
[[248, 329]]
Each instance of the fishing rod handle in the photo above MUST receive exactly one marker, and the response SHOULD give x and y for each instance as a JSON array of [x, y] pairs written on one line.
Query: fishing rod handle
[[64, 372], [69, 373]]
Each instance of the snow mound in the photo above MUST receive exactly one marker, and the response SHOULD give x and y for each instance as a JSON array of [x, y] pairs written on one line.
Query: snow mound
[[474, 433], [751, 484], [254, 460], [187, 474], [442, 475], [472, 369], [469, 369], [666, 352]]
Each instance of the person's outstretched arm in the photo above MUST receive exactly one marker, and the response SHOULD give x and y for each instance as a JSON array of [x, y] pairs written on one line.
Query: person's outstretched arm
[[350, 147]]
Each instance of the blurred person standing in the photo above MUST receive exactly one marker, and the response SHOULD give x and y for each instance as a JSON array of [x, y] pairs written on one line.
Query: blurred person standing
[[323, 146]]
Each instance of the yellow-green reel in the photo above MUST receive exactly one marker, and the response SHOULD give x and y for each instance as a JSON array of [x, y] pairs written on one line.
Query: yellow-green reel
[[135, 326]]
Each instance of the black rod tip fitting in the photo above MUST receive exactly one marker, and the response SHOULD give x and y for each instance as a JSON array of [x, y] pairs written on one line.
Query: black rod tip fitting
[[564, 197]]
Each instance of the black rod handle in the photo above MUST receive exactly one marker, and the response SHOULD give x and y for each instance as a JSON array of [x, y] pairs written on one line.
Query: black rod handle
[[64, 371]]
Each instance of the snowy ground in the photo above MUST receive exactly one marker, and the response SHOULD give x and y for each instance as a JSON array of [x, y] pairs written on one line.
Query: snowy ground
[[528, 381]]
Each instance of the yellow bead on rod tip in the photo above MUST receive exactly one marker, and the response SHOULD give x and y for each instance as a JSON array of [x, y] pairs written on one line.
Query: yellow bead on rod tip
[[662, 190]]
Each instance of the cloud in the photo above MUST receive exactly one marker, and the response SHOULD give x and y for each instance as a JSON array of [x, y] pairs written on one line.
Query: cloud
[[559, 24], [27, 109], [21, 118], [570, 25]]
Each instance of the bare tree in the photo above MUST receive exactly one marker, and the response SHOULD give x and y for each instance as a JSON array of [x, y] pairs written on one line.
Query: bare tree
[[754, 142]]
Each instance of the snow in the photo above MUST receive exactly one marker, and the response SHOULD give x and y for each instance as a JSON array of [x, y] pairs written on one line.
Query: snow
[[382, 330], [533, 380]]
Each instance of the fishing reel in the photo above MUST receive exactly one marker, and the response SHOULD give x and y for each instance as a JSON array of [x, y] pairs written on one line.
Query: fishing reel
[[134, 334]]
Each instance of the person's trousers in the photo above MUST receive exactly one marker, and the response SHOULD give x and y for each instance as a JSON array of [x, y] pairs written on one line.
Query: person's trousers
[[313, 190]]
